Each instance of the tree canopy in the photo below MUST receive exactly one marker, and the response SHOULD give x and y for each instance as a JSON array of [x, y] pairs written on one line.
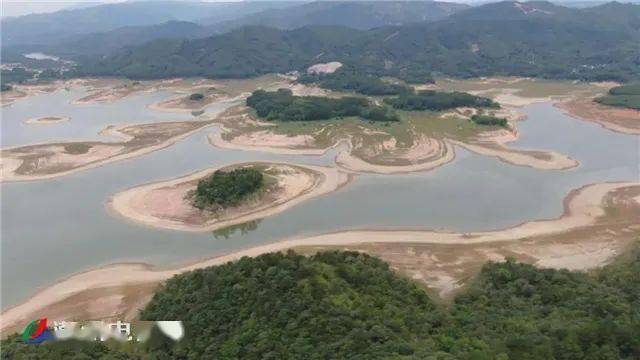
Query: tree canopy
[[349, 305], [438, 100], [282, 105], [227, 188]]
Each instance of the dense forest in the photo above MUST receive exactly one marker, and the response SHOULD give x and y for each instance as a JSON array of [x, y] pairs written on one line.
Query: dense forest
[[489, 120], [15, 75], [282, 105], [227, 188], [627, 96], [438, 101], [347, 78], [348, 305], [543, 40]]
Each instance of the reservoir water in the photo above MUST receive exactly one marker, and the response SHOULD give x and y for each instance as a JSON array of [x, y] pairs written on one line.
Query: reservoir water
[[54, 228]]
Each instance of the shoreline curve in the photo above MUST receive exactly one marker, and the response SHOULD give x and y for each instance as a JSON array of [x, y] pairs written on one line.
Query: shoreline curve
[[582, 208]]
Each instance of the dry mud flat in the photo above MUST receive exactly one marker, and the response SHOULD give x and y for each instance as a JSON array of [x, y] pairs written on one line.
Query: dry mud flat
[[166, 204], [44, 161], [598, 221]]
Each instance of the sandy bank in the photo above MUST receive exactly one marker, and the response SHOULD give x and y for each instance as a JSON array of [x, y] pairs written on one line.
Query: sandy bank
[[626, 121], [543, 159], [47, 120], [165, 204], [264, 141], [22, 91], [50, 160], [583, 208]]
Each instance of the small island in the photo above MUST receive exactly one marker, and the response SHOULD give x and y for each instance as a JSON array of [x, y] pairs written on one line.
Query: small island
[[213, 199], [196, 99], [47, 120]]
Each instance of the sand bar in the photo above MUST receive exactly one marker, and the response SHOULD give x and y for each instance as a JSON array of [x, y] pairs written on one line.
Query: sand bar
[[583, 208]]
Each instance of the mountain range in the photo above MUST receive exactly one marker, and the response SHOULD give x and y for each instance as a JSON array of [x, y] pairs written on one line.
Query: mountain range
[[506, 38]]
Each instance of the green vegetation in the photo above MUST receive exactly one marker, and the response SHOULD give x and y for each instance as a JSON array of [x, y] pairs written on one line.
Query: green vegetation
[[345, 79], [334, 305], [15, 75], [281, 105], [348, 305], [489, 120], [627, 96], [544, 40], [438, 101], [5, 87], [14, 348], [77, 148], [196, 97], [227, 188]]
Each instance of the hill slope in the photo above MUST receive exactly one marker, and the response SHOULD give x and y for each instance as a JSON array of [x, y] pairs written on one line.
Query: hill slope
[[507, 38], [348, 305], [361, 15]]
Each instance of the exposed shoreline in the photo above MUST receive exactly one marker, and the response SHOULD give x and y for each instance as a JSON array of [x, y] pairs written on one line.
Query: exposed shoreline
[[106, 152], [423, 157], [625, 121], [582, 208], [556, 161], [444, 155], [303, 183]]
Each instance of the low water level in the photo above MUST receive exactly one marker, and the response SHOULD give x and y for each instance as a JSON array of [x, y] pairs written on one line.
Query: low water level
[[54, 228]]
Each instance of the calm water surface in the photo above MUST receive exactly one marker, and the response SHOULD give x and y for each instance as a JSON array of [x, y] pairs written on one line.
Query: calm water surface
[[57, 227]]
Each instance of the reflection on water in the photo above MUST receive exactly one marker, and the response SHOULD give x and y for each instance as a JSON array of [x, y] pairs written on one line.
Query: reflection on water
[[238, 229], [57, 227]]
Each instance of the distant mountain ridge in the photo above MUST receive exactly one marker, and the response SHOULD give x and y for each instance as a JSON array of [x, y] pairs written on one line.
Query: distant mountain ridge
[[506, 38], [359, 15], [64, 25]]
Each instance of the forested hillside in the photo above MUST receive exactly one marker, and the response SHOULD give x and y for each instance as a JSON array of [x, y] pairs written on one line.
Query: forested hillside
[[353, 14], [509, 38], [347, 305]]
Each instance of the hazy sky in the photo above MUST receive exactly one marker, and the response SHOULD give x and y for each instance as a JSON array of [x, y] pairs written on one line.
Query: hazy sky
[[24, 7]]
